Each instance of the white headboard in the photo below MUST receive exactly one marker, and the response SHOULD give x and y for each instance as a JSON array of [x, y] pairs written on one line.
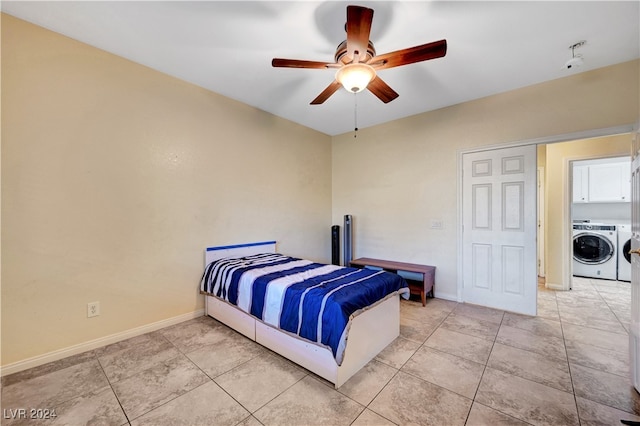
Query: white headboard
[[238, 250]]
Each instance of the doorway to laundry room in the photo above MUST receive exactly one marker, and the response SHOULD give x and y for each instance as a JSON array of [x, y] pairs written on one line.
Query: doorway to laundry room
[[603, 307], [601, 218], [588, 213], [586, 186]]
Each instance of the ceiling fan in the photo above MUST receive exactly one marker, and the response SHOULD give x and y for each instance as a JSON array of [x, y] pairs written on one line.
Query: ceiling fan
[[356, 61]]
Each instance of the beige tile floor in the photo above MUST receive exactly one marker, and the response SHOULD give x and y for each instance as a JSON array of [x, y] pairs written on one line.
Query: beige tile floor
[[454, 364]]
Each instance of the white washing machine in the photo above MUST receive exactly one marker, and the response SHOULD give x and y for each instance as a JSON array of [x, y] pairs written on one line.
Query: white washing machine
[[595, 250], [624, 258]]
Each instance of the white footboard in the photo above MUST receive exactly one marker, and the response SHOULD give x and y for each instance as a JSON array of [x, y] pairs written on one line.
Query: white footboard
[[371, 332]]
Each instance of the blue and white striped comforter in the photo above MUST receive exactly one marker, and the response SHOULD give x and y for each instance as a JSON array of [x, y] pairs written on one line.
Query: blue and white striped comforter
[[312, 300]]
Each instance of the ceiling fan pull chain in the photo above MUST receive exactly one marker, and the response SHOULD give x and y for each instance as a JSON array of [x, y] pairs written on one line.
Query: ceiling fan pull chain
[[355, 114]]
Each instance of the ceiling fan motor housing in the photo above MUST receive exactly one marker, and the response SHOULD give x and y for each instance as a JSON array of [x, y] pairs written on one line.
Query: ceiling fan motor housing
[[341, 51]]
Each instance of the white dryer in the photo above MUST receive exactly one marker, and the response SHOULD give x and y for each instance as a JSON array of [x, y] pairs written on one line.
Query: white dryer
[[624, 258], [595, 250]]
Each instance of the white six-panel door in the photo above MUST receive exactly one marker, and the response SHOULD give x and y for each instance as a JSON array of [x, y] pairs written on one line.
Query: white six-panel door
[[499, 229]]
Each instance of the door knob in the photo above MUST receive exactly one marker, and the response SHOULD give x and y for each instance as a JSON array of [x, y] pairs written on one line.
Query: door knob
[[635, 251]]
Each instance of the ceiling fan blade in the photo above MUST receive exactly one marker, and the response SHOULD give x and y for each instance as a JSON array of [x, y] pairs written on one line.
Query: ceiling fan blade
[[382, 90], [297, 63], [330, 90], [358, 29], [436, 49]]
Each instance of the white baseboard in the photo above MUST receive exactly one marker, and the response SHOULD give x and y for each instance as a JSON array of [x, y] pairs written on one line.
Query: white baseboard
[[552, 286], [96, 343], [446, 296]]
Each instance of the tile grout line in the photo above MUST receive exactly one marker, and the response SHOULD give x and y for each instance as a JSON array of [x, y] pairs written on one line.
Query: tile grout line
[[588, 367], [573, 389], [486, 365], [126, 416], [180, 353], [211, 379], [610, 309], [398, 369], [591, 368]]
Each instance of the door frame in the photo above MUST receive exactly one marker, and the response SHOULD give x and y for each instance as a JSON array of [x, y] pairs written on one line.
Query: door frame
[[566, 210], [541, 181]]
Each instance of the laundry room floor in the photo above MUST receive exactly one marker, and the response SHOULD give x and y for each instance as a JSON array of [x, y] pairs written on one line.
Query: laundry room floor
[[453, 364], [593, 303]]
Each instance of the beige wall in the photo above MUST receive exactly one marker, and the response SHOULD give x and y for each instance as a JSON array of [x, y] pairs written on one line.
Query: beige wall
[[558, 198], [116, 177], [398, 177]]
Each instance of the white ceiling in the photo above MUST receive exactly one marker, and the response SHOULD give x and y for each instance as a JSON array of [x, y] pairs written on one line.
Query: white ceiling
[[227, 47]]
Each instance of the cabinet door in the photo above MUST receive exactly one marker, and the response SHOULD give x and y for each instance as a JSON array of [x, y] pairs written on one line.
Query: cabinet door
[[626, 181], [580, 184], [607, 182]]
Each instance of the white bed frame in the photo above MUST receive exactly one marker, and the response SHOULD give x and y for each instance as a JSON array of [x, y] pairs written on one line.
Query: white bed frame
[[371, 331]]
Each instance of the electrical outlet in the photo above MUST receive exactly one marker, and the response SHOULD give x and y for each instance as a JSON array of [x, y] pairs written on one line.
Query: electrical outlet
[[93, 309]]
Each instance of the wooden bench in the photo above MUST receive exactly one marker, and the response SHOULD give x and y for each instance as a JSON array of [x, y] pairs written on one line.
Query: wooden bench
[[423, 288]]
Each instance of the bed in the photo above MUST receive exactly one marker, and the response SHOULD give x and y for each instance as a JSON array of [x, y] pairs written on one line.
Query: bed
[[273, 280]]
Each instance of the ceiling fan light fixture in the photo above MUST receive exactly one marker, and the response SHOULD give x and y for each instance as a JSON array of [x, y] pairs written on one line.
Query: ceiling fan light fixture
[[355, 77]]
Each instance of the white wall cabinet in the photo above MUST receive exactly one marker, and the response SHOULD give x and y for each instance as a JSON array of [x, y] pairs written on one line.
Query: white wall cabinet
[[580, 184], [609, 182], [602, 182]]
